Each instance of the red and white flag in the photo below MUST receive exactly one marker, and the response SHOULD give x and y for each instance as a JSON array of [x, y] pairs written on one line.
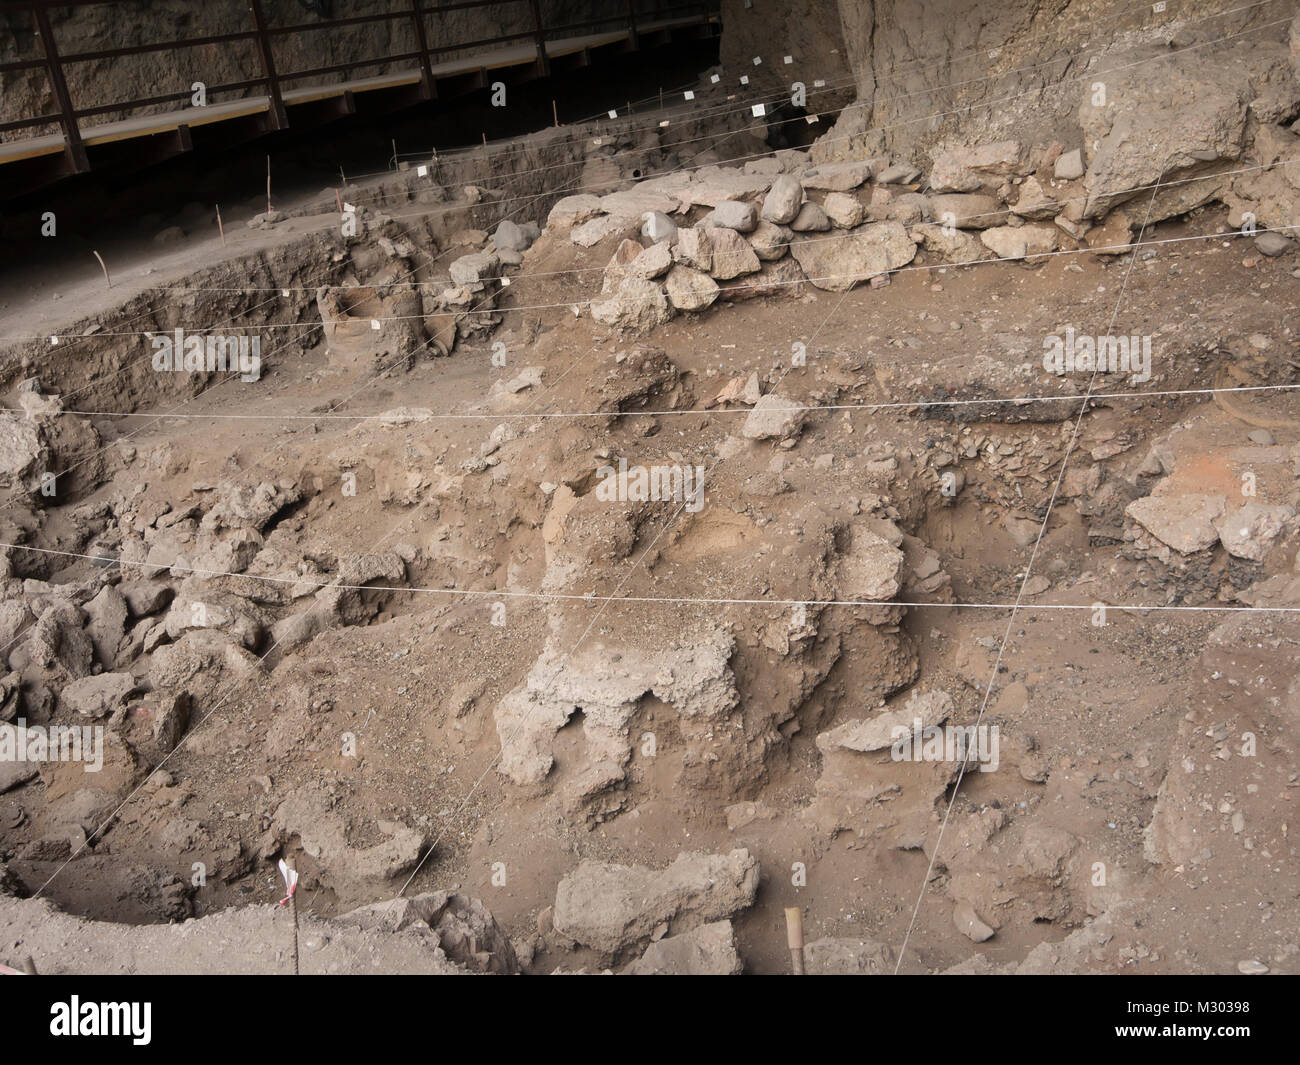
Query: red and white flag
[[290, 881]]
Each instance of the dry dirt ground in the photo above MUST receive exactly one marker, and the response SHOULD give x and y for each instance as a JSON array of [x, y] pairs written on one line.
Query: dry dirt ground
[[691, 712]]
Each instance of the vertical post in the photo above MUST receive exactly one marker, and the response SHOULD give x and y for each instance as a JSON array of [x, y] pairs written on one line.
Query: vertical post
[[279, 119], [794, 938], [422, 42], [539, 35], [632, 40], [73, 147]]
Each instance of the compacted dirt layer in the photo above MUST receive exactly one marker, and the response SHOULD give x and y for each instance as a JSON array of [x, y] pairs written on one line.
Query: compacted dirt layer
[[604, 587]]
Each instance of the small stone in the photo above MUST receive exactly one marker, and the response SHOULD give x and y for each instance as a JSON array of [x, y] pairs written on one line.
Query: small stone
[[783, 199], [773, 416], [844, 211], [658, 228], [810, 219], [690, 290], [969, 924], [733, 214], [1273, 244], [1069, 166]]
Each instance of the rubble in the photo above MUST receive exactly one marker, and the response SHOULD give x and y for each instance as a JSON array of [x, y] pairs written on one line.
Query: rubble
[[613, 907]]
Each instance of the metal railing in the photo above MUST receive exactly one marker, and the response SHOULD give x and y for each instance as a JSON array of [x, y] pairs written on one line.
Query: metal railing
[[271, 79]]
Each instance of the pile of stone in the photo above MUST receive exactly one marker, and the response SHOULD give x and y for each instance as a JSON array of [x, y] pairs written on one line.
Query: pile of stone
[[688, 239]]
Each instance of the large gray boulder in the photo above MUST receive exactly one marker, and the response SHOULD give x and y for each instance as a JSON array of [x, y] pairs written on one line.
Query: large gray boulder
[[1169, 120], [572, 210], [973, 169], [732, 255], [783, 200], [690, 290], [838, 263], [637, 306], [709, 950], [733, 214], [611, 907]]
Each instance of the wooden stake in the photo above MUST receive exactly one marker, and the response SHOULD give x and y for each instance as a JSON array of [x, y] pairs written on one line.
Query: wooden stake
[[268, 188], [29, 965], [794, 938], [220, 228], [107, 280], [555, 114], [338, 196]]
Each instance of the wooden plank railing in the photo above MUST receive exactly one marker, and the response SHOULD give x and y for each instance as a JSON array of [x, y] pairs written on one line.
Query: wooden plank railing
[[263, 35]]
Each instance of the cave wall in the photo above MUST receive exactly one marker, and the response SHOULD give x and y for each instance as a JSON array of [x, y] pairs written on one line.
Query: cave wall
[[928, 74]]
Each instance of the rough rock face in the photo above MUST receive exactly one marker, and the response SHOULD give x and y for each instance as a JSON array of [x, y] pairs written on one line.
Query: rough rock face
[[460, 927], [1174, 120], [612, 907], [874, 734], [324, 835], [693, 678], [979, 69], [435, 933], [637, 306], [838, 263], [709, 950], [349, 316]]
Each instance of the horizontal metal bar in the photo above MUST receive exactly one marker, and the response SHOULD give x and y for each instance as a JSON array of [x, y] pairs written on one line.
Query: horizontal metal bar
[[353, 65], [164, 46], [23, 64], [355, 20], [474, 44], [127, 105], [467, 5], [22, 123], [620, 20]]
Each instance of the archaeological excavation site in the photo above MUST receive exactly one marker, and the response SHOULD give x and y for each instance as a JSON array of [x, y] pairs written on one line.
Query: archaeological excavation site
[[561, 487]]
